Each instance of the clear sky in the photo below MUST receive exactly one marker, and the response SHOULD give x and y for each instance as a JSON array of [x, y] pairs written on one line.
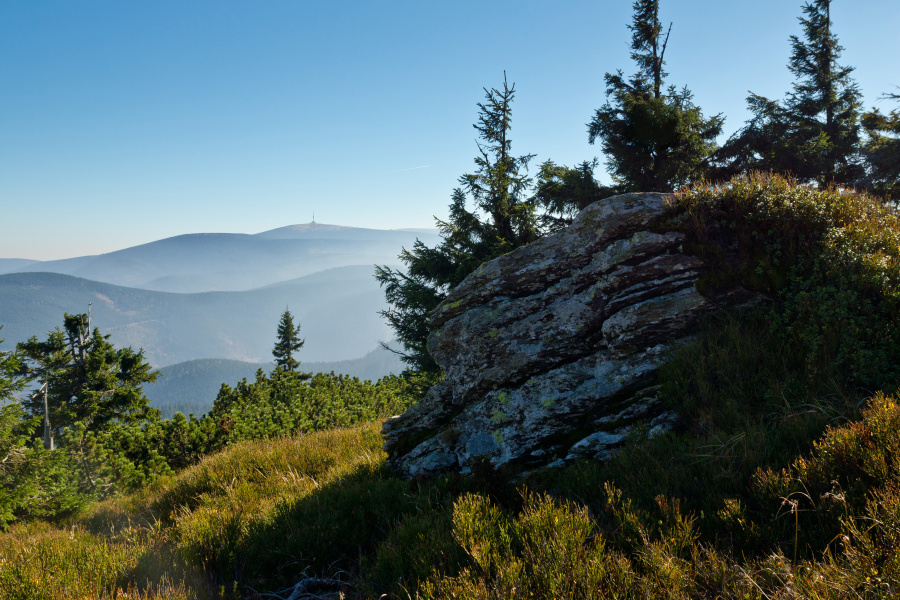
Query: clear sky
[[126, 122]]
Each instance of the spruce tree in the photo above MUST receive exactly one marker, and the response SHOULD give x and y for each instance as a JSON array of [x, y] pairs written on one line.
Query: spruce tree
[[881, 152], [11, 377], [287, 343], [491, 213], [814, 134], [563, 191], [89, 380], [654, 140]]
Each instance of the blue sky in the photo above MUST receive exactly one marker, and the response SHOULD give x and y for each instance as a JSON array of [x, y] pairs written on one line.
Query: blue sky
[[126, 122]]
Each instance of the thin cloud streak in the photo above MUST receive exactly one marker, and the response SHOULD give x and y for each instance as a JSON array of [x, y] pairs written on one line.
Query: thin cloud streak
[[412, 169]]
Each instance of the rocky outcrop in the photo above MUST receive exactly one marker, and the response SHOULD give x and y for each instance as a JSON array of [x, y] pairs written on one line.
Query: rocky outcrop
[[551, 351]]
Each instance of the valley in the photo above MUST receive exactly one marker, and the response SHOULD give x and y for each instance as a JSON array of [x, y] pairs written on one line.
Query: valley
[[204, 307]]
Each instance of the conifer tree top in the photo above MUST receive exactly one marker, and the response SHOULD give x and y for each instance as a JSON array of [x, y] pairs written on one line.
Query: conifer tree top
[[287, 343]]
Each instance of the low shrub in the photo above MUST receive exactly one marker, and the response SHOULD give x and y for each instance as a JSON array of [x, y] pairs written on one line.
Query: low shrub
[[548, 550], [830, 257]]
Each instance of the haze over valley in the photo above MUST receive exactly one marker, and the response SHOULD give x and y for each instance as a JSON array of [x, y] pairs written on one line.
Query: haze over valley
[[215, 300], [206, 262]]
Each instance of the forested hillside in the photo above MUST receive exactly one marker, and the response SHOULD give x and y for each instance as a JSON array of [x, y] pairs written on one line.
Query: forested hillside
[[338, 309], [231, 262], [779, 481], [192, 386]]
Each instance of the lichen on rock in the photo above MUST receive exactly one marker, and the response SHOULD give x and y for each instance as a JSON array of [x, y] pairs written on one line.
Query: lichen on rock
[[551, 351]]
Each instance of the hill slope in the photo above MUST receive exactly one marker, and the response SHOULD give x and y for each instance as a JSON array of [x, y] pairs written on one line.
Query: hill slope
[[337, 310], [191, 387], [781, 479], [233, 262], [10, 265]]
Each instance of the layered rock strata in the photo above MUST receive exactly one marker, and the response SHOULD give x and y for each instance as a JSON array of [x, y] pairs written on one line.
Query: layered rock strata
[[551, 351]]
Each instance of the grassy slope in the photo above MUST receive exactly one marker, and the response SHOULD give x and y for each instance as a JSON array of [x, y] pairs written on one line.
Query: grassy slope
[[261, 515]]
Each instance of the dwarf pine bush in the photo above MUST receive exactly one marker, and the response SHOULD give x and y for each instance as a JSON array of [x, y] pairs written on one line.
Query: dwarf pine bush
[[830, 258]]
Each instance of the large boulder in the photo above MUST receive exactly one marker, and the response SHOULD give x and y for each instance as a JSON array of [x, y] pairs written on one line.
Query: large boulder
[[551, 351]]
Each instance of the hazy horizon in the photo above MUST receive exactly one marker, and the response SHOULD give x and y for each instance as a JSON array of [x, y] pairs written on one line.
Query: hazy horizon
[[426, 230]]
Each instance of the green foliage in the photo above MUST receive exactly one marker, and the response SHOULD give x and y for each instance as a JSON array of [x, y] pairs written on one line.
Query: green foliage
[[11, 380], [287, 343], [833, 485], [814, 134], [502, 218], [35, 483], [831, 259], [89, 381], [131, 455], [260, 513], [653, 141], [836, 513], [39, 483], [824, 89], [549, 550], [26, 468], [290, 403], [420, 544], [563, 191], [412, 296], [108, 441], [745, 402], [191, 387], [741, 502], [93, 389], [881, 152], [575, 558]]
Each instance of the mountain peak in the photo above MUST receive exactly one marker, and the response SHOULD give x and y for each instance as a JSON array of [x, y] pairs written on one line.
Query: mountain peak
[[305, 228]]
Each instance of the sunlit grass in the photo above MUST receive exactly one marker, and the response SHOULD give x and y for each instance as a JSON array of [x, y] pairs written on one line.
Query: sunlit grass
[[42, 562]]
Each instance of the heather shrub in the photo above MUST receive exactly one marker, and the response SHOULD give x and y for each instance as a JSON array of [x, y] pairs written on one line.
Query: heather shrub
[[830, 258]]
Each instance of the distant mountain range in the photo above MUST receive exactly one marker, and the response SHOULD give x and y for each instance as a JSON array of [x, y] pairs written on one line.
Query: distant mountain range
[[337, 310], [191, 387], [215, 300], [204, 262], [10, 265]]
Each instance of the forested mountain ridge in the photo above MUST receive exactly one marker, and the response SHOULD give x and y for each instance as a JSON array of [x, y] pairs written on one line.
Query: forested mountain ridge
[[204, 262], [191, 387], [11, 265], [338, 310]]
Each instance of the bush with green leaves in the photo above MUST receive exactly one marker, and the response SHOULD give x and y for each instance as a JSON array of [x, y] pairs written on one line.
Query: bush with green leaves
[[35, 483], [548, 550], [265, 513], [109, 441], [830, 258], [286, 403]]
